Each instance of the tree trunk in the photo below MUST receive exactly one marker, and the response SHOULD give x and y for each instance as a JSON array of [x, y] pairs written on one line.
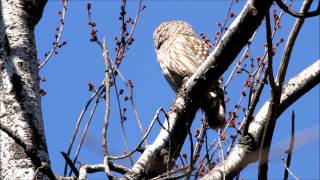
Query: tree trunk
[[23, 149]]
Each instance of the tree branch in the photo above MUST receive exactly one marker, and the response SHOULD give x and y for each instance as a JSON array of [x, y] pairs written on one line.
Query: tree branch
[[271, 119], [276, 89], [182, 112], [287, 165], [290, 11], [246, 150], [20, 92]]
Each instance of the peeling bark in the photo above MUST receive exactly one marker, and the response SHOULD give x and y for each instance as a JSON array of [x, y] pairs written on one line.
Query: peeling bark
[[20, 99]]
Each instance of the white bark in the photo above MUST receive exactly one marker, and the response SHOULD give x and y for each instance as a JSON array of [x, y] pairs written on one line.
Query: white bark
[[247, 148], [20, 101]]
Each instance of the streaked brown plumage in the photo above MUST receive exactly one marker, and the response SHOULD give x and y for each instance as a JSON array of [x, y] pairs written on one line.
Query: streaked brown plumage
[[180, 53]]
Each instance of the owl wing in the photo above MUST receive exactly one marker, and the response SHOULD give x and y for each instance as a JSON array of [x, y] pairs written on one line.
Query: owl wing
[[180, 57], [187, 53]]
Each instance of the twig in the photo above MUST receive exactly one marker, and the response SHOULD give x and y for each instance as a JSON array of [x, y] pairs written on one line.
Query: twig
[[142, 140], [290, 43], [107, 97], [271, 118], [172, 172], [101, 167], [130, 88], [85, 130], [290, 147], [199, 143], [85, 169], [276, 93], [290, 11], [273, 84], [121, 116], [58, 36], [240, 61], [69, 162], [287, 169], [223, 27], [249, 115], [221, 152], [245, 151], [185, 107], [135, 22], [253, 102], [192, 161], [65, 178], [76, 129]]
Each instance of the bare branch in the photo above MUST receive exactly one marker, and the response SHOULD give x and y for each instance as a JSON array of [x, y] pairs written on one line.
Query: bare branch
[[276, 91], [57, 43], [156, 116], [246, 149], [69, 162], [183, 110], [86, 168], [76, 129], [290, 11], [107, 96], [288, 170], [270, 53], [290, 43], [271, 119], [290, 147], [85, 130]]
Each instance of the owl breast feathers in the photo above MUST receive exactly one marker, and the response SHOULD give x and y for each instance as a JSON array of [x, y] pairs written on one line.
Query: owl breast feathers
[[180, 53]]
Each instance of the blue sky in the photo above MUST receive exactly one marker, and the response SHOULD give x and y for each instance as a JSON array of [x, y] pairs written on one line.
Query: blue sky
[[80, 62]]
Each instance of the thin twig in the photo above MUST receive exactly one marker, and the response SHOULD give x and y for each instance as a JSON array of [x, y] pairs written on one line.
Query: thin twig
[[156, 116], [76, 129], [272, 82], [290, 11], [135, 22], [192, 161], [135, 111], [271, 117], [290, 43], [249, 115], [172, 172], [70, 164], [221, 152], [240, 61], [290, 147], [223, 27], [56, 44], [199, 143], [85, 130], [124, 136], [291, 173]]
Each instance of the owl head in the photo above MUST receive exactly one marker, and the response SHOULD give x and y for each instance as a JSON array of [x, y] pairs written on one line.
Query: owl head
[[170, 29]]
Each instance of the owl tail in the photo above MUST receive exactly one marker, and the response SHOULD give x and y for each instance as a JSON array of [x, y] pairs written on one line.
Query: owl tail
[[214, 108]]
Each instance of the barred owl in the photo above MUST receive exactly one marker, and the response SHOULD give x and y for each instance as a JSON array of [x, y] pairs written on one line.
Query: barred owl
[[180, 53]]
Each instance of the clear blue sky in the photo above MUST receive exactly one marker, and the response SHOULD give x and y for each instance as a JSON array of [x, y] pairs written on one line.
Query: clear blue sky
[[80, 62]]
